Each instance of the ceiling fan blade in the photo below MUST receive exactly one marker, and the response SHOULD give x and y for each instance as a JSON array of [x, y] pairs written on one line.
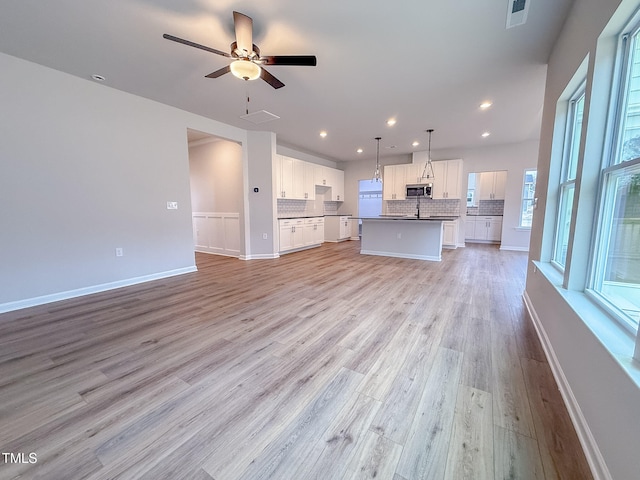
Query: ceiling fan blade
[[297, 60], [270, 79], [244, 32], [219, 73], [196, 45]]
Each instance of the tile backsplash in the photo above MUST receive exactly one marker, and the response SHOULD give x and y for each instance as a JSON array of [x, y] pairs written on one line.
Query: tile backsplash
[[448, 208], [487, 207], [305, 208]]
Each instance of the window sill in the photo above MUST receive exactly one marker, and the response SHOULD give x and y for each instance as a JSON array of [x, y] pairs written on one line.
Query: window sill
[[614, 337], [523, 229]]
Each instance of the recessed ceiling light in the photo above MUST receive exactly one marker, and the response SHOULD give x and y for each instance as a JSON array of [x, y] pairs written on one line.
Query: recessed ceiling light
[[415, 144], [485, 105], [359, 150], [391, 122], [323, 134], [98, 78], [486, 134]]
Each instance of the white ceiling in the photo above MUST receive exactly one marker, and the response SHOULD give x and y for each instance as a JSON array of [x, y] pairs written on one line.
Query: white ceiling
[[428, 63]]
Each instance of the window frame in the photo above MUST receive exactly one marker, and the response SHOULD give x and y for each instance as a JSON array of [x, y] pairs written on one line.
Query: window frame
[[524, 199], [610, 165], [567, 181]]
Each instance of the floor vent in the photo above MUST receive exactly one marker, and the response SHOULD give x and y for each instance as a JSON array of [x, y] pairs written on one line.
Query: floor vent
[[261, 116], [517, 11]]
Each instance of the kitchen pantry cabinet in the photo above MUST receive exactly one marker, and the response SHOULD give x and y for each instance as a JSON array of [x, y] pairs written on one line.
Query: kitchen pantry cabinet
[[447, 179], [492, 185], [337, 228], [297, 233], [485, 228]]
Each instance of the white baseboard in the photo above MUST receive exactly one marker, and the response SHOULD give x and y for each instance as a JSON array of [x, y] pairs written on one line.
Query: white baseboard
[[514, 248], [596, 462], [80, 292], [260, 256]]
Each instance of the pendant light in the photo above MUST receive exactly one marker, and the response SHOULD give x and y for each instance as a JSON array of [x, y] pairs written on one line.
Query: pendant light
[[377, 175], [428, 168]]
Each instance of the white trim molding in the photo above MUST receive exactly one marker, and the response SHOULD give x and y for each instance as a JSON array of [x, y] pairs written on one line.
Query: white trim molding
[[56, 297], [594, 457], [217, 232]]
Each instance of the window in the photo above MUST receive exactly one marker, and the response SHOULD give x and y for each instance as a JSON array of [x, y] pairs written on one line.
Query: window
[[615, 276], [568, 177], [528, 191]]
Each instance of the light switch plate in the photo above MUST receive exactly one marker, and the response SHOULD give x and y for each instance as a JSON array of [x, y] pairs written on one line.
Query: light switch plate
[[172, 205]]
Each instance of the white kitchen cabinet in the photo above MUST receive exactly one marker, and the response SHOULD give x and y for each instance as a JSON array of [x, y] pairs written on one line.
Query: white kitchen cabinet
[[470, 228], [313, 231], [300, 233], [413, 174], [492, 185], [447, 179], [304, 187], [394, 186], [284, 177], [330, 177], [337, 228], [320, 175], [486, 228], [450, 234], [336, 182]]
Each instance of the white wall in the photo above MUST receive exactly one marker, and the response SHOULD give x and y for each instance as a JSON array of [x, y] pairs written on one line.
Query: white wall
[[84, 169], [215, 168], [600, 392], [512, 157]]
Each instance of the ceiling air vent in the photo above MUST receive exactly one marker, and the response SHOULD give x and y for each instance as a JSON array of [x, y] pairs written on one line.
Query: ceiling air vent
[[517, 12]]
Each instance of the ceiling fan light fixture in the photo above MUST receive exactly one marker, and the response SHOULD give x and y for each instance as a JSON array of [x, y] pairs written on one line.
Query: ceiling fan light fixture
[[245, 69]]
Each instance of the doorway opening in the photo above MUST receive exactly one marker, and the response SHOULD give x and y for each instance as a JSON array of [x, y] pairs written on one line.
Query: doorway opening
[[369, 200]]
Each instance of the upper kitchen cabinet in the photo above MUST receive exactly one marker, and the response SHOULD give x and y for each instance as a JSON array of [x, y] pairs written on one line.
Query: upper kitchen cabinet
[[394, 186], [304, 187], [284, 177], [336, 182], [491, 185], [447, 177], [321, 175], [330, 177]]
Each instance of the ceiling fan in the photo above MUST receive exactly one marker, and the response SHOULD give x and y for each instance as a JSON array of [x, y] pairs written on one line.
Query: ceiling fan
[[248, 63]]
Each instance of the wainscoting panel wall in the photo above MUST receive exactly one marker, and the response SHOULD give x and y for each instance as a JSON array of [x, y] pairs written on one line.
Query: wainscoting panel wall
[[217, 233]]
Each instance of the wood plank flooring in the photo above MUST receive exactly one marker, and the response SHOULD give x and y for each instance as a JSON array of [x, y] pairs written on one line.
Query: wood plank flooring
[[323, 364]]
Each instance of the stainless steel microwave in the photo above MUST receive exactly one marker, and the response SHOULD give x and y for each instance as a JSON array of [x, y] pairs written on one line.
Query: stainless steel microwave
[[420, 190]]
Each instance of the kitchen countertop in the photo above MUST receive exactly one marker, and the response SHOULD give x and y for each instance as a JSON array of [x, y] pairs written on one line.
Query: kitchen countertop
[[410, 217]]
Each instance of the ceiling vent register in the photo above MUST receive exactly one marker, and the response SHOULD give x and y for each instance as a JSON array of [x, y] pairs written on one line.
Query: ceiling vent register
[[517, 11]]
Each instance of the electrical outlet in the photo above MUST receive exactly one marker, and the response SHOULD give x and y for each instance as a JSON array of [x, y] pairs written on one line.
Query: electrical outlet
[[264, 236], [119, 252], [172, 205], [399, 236]]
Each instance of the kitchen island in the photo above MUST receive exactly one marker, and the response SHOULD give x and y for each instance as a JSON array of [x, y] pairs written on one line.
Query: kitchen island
[[403, 237]]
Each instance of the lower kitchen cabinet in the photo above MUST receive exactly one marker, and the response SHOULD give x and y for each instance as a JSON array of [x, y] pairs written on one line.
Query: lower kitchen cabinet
[[313, 231], [485, 228], [299, 233], [337, 228], [450, 234]]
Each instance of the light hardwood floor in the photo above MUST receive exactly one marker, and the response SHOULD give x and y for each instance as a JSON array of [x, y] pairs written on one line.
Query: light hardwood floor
[[323, 364]]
